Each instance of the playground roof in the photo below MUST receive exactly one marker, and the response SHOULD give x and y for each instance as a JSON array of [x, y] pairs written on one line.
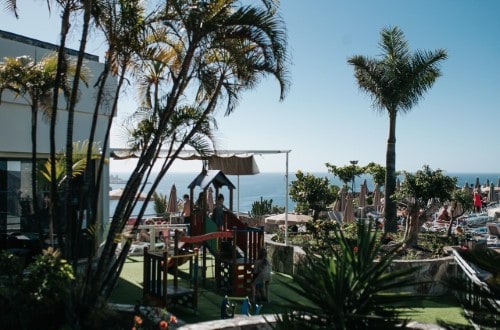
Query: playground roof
[[216, 177]]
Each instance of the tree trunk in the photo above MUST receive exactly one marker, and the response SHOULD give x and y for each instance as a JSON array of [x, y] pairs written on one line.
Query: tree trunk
[[390, 207], [412, 227]]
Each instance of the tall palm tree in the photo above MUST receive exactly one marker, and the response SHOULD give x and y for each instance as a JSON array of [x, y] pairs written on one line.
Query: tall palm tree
[[396, 82], [220, 49], [34, 82]]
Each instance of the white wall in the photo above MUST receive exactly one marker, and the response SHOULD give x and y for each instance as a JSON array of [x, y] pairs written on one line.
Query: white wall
[[15, 114]]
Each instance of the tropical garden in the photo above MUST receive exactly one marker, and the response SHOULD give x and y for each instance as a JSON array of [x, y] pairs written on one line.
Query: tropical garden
[[189, 61]]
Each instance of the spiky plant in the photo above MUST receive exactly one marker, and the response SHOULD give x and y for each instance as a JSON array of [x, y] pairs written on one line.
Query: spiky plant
[[160, 203], [348, 287]]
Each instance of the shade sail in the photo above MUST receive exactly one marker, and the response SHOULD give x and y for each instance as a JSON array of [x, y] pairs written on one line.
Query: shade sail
[[232, 164]]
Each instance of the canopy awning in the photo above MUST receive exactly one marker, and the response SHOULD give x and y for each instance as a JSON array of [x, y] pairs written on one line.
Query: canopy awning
[[234, 164]]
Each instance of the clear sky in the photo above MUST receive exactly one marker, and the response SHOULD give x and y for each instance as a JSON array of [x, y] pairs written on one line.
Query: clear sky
[[326, 118]]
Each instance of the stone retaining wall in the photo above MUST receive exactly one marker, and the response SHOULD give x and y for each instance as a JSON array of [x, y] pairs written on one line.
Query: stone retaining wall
[[284, 259]]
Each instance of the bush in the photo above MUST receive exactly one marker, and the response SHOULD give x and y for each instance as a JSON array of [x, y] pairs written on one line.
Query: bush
[[39, 291]]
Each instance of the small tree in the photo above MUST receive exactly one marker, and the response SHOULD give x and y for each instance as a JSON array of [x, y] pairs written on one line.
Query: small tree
[[263, 207], [160, 203], [377, 172], [346, 173], [312, 193], [461, 202], [422, 194]]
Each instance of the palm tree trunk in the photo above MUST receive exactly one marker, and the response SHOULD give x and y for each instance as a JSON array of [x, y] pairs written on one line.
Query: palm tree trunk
[[36, 213], [390, 207]]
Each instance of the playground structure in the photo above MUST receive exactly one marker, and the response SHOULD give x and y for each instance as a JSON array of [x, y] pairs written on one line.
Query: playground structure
[[157, 291], [234, 248]]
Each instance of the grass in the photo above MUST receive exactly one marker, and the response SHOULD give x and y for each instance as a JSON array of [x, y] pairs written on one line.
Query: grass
[[129, 291]]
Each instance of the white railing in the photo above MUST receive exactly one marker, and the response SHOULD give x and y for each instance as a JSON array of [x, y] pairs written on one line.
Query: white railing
[[475, 283]]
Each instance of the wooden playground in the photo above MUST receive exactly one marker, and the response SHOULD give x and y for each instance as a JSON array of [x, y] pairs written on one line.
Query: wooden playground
[[234, 246]]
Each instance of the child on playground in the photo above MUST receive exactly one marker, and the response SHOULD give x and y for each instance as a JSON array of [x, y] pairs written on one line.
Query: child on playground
[[261, 276]]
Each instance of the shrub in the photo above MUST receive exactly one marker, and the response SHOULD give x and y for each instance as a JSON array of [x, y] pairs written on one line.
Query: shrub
[[41, 291]]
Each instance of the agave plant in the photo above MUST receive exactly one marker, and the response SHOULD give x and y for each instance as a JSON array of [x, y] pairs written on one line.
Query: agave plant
[[349, 287]]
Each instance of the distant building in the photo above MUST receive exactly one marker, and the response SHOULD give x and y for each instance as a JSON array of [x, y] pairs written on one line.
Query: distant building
[[15, 136]]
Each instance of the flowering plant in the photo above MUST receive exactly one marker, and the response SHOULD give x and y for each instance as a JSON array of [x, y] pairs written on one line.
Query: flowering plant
[[153, 318]]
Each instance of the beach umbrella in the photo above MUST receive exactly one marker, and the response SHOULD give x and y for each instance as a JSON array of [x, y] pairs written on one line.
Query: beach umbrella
[[293, 218], [172, 200], [340, 202], [116, 194], [398, 184], [478, 184], [210, 199], [363, 191], [349, 210], [377, 195], [491, 193]]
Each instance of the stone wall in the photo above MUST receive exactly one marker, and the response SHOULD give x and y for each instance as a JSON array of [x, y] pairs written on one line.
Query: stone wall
[[431, 272], [284, 258]]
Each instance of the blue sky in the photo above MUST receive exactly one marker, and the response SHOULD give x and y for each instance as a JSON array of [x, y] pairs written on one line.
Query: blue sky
[[326, 118]]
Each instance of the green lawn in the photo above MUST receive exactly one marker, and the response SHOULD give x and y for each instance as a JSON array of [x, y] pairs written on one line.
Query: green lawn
[[129, 291]]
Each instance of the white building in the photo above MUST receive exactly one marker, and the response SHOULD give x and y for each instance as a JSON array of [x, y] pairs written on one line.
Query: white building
[[15, 132]]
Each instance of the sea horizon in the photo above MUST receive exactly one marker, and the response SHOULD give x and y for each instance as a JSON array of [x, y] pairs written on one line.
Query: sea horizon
[[272, 186]]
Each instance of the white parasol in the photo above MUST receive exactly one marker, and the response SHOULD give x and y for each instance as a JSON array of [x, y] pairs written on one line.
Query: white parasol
[[349, 210], [116, 194], [293, 218], [210, 199], [172, 200], [363, 191]]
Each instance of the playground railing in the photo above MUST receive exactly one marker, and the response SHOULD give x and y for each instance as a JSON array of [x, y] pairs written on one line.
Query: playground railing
[[158, 266]]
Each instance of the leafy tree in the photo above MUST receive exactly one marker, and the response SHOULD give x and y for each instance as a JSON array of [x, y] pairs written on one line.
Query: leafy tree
[[422, 194], [347, 173], [312, 193], [377, 172], [461, 202], [34, 81], [345, 288], [396, 82]]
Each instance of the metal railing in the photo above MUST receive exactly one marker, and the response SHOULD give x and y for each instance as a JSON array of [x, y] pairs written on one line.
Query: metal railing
[[476, 294]]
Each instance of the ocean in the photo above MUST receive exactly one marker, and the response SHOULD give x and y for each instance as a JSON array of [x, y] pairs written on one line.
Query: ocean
[[251, 188]]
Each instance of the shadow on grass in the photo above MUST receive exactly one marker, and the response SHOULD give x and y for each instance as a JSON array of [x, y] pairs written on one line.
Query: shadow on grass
[[126, 292]]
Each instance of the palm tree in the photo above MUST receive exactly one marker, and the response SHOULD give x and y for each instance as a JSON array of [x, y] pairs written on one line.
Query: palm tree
[[34, 82], [11, 5], [396, 82], [221, 49]]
